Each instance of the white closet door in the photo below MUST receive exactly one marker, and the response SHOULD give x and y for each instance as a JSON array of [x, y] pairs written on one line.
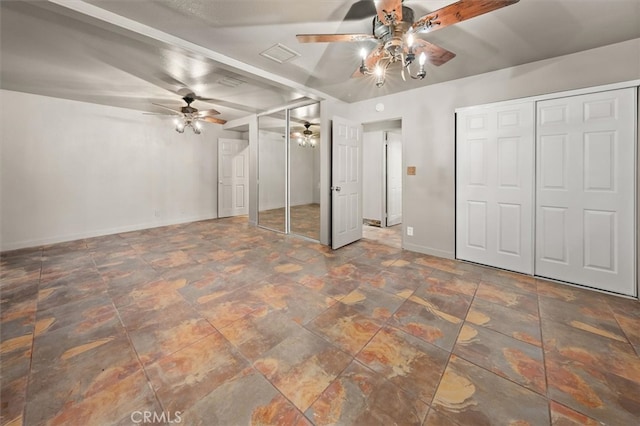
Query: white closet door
[[494, 194], [585, 201]]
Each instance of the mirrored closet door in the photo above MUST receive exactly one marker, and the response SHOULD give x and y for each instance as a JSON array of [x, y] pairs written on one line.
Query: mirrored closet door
[[289, 171]]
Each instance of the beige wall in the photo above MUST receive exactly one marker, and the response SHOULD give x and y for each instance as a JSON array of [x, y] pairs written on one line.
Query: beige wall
[[73, 170]]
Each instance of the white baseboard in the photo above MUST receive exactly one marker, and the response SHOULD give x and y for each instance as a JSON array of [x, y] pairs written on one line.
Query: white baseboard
[[428, 250], [36, 242]]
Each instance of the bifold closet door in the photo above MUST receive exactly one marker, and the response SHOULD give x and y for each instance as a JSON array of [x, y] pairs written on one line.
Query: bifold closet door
[[494, 186], [585, 190]]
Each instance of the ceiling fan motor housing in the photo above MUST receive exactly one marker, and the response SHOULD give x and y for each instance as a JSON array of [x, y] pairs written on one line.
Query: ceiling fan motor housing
[[392, 35]]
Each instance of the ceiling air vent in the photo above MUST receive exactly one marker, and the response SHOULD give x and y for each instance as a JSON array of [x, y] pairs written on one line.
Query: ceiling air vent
[[231, 81], [280, 53]]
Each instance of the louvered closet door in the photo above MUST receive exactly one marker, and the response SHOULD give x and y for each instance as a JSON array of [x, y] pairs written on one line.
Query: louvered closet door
[[585, 201], [494, 189]]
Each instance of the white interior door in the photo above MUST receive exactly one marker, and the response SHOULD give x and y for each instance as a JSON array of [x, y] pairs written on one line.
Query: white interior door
[[394, 178], [585, 210], [346, 181], [233, 177], [494, 189]]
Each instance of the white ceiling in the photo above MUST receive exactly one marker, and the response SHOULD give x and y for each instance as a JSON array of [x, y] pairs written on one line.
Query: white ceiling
[[135, 52]]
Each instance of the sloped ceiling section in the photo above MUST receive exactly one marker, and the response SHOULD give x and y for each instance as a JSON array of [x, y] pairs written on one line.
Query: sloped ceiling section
[[54, 51], [49, 47]]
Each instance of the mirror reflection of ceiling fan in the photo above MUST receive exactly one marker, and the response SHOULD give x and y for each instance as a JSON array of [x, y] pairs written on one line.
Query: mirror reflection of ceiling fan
[[188, 116], [306, 137], [396, 31]]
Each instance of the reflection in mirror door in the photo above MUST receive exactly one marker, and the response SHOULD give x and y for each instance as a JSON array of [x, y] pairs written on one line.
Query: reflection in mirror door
[[272, 170], [304, 160]]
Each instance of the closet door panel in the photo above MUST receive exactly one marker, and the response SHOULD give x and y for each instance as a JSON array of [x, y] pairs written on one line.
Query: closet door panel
[[494, 190], [585, 190]]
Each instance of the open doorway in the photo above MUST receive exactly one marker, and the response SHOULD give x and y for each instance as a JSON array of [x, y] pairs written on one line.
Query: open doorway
[[382, 177]]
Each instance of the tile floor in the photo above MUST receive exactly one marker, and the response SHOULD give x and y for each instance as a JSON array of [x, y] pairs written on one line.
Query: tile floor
[[390, 236], [221, 323], [305, 220]]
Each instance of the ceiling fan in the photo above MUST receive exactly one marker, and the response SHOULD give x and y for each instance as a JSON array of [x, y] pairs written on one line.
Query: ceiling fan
[[188, 116], [306, 137], [395, 30]]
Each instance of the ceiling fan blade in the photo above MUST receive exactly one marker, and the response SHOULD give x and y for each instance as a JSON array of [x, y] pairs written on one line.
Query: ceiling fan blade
[[360, 10], [372, 59], [330, 38], [168, 108], [208, 112], [388, 7], [435, 54], [213, 120], [458, 12]]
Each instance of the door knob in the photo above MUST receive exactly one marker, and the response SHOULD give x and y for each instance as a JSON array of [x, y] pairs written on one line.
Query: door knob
[[337, 189]]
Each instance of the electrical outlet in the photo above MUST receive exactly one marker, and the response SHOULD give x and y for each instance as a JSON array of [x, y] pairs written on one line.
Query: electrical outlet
[[410, 231]]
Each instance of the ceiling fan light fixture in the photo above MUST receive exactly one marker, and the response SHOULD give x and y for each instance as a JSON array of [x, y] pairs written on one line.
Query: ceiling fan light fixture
[[379, 73]]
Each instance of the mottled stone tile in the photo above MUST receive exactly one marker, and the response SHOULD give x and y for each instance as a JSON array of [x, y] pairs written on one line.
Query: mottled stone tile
[[359, 396], [18, 302], [567, 344], [129, 275], [70, 289], [223, 310], [247, 399], [168, 260], [428, 323], [84, 314], [149, 296], [511, 280], [13, 395], [155, 340], [511, 298], [451, 284], [627, 313], [373, 303], [184, 377], [205, 290], [302, 366], [355, 270], [562, 415], [592, 317], [294, 300], [597, 393], [436, 418], [443, 299], [406, 361], [189, 273], [395, 283], [511, 322], [260, 331], [470, 395], [21, 266], [16, 334], [74, 365], [113, 404], [331, 286], [507, 357], [58, 266], [346, 327]]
